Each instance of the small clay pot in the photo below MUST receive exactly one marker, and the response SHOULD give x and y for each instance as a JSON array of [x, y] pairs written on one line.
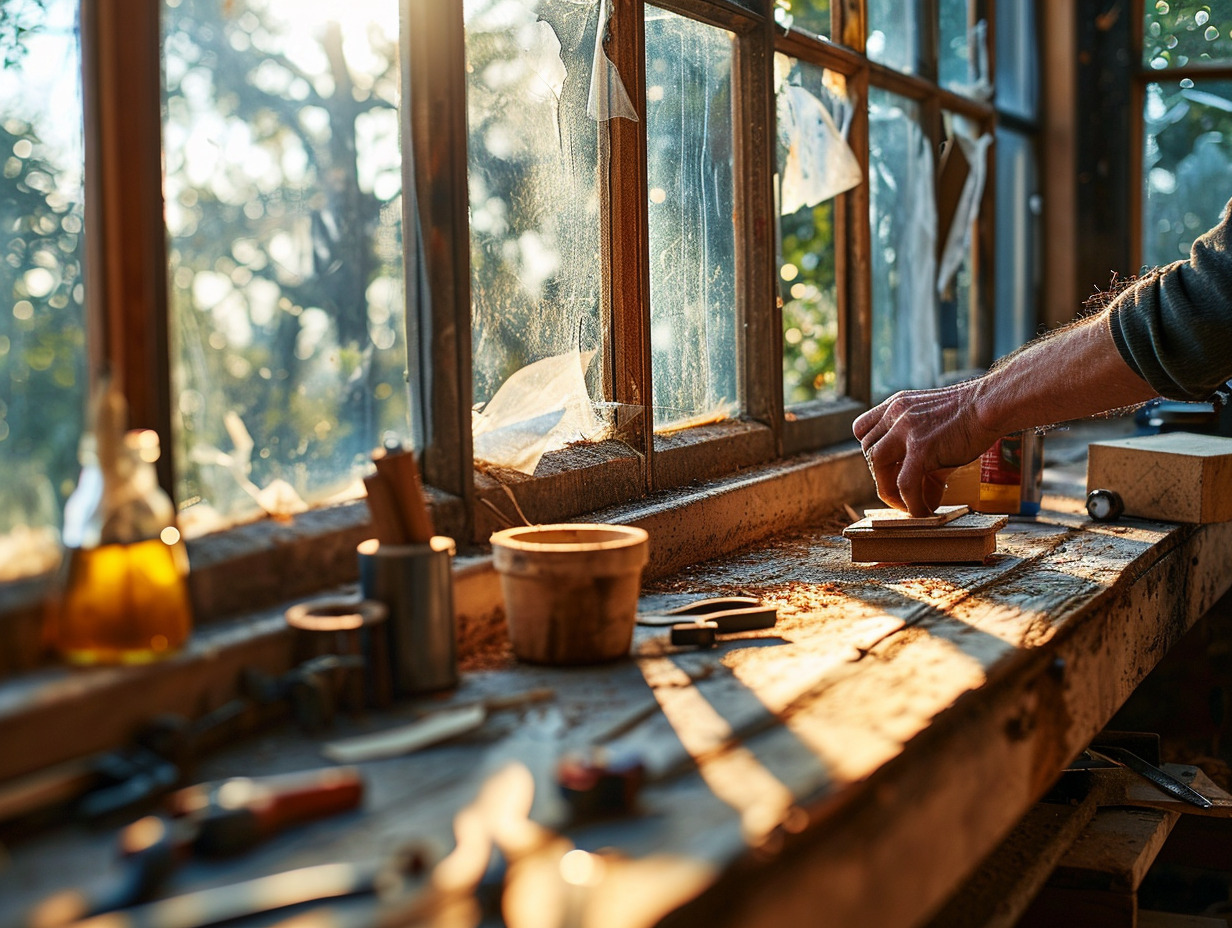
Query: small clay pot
[[570, 589]]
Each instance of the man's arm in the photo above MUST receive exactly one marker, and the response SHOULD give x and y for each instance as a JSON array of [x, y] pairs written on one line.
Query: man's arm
[[915, 438]]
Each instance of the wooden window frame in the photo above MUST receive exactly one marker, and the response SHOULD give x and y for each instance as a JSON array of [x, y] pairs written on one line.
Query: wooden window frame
[[128, 305], [121, 50]]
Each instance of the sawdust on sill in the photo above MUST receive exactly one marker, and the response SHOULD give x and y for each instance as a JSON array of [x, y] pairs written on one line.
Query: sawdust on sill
[[483, 644]]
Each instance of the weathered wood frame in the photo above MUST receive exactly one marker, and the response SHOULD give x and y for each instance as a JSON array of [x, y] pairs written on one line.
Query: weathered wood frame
[[127, 252]]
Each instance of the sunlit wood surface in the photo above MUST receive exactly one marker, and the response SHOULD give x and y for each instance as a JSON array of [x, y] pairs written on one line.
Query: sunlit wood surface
[[850, 767]]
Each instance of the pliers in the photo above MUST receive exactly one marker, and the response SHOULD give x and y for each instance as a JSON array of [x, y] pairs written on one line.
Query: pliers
[[728, 613]]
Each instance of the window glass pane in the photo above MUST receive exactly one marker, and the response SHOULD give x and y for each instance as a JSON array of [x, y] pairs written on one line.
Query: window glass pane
[[692, 204], [533, 175], [283, 201], [42, 324], [1017, 271], [956, 308], [808, 291], [809, 15], [1187, 164], [904, 264], [1181, 32], [962, 53], [894, 34], [1017, 52]]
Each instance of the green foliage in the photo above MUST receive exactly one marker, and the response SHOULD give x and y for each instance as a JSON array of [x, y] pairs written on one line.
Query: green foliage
[[272, 268], [42, 338], [19, 19], [810, 315]]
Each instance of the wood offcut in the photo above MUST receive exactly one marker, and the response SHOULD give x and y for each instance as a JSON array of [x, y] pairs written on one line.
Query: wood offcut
[[969, 538]]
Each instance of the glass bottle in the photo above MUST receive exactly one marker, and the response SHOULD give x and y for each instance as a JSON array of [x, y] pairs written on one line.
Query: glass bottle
[[123, 596]]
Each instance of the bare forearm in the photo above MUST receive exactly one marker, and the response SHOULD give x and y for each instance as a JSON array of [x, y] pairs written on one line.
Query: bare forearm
[[913, 439], [1074, 374]]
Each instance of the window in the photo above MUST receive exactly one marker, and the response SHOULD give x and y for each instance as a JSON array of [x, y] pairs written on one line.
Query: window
[[1186, 83], [42, 320], [282, 190], [589, 251]]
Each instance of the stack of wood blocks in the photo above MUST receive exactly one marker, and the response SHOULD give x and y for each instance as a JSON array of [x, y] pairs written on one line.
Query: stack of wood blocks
[[953, 534]]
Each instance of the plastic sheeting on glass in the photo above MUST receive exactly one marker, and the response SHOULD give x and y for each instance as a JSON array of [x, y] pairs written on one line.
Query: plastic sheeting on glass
[[963, 57], [815, 161], [542, 407], [608, 97], [1187, 165], [815, 164], [958, 238], [1177, 33], [690, 168], [533, 164], [903, 216]]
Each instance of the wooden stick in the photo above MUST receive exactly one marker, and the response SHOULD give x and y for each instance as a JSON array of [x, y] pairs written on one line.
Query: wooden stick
[[383, 506], [402, 474]]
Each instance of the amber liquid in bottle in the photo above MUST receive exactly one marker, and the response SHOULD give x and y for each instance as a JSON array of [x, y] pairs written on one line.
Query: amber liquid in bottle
[[123, 603]]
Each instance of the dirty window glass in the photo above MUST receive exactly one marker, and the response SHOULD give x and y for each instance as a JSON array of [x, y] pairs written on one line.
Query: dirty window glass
[[1017, 81], [814, 165], [894, 34], [903, 218], [690, 147], [962, 53], [1017, 240], [809, 15], [1187, 155], [283, 202], [42, 324], [1181, 32], [534, 215]]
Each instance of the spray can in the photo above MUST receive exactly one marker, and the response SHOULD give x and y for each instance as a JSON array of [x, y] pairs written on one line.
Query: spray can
[[1011, 474]]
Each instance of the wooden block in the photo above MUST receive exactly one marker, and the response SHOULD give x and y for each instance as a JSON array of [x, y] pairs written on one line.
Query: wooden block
[[1115, 850], [1013, 875], [1176, 476], [894, 519], [968, 539]]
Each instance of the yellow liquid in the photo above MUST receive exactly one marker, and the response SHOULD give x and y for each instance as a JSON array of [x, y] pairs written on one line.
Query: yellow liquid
[[122, 604]]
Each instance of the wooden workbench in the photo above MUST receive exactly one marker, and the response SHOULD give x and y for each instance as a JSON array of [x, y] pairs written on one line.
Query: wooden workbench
[[850, 768]]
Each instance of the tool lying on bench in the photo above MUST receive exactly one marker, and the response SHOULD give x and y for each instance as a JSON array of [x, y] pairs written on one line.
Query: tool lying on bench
[[728, 613], [1121, 776], [210, 820], [1110, 756]]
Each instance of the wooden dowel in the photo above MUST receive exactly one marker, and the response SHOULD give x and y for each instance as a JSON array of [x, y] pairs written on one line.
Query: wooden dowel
[[383, 506], [402, 474]]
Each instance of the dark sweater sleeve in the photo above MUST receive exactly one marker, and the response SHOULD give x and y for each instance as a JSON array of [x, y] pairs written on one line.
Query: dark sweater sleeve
[[1173, 326]]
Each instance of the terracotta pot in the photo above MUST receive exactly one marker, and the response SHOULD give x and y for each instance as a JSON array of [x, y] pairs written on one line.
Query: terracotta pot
[[570, 590]]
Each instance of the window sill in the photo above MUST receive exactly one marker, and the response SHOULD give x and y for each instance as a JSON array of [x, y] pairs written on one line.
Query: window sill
[[58, 713]]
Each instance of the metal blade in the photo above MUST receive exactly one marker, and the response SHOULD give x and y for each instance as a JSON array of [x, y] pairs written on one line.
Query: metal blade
[[1165, 781]]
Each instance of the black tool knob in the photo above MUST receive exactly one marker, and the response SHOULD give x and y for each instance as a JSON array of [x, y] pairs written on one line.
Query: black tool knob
[[1105, 505]]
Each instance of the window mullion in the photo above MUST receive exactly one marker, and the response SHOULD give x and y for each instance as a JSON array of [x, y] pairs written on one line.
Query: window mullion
[[626, 236], [126, 259], [761, 343], [856, 321], [435, 154]]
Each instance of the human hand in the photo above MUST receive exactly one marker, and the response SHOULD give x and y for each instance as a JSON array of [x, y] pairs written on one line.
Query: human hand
[[914, 439]]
